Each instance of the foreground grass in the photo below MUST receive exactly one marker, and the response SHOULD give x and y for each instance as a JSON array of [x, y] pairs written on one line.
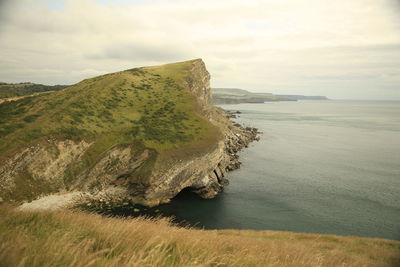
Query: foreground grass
[[80, 239]]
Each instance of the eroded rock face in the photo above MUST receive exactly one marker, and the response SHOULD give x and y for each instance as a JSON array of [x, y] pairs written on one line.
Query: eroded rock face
[[39, 169], [198, 82], [205, 175], [46, 168], [112, 169]]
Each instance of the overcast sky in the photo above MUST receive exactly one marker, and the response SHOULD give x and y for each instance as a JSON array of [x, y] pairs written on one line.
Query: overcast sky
[[342, 48]]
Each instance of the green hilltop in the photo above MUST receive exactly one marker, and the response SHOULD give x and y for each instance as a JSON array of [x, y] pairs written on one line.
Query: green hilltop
[[148, 107]]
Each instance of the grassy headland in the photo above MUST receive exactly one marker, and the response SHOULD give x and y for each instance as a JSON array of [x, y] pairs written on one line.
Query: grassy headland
[[144, 108]]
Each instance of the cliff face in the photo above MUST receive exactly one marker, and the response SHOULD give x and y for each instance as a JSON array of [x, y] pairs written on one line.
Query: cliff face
[[198, 82], [206, 174], [38, 169], [54, 165]]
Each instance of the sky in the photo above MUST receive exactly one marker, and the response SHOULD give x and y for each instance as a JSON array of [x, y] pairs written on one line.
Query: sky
[[342, 49]]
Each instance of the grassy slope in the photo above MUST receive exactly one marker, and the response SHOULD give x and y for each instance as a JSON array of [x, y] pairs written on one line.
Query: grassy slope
[[146, 106], [78, 239]]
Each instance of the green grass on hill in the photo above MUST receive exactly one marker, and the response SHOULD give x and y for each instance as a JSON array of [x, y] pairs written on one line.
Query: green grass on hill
[[79, 239], [148, 107]]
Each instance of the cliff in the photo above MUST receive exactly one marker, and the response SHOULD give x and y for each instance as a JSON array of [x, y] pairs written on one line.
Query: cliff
[[237, 96], [146, 132]]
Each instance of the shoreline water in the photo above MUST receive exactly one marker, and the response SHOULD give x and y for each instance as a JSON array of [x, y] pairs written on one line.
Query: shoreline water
[[327, 168]]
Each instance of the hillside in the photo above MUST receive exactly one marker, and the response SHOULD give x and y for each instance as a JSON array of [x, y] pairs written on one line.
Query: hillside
[[237, 96], [78, 239], [150, 131], [8, 90]]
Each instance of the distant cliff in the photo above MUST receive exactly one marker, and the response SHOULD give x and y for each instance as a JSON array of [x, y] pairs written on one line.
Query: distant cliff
[[237, 96], [150, 132], [8, 90]]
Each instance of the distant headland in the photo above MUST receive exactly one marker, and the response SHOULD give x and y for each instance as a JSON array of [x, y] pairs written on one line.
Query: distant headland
[[237, 96]]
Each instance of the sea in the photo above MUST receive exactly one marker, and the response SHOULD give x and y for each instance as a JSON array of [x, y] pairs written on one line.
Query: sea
[[330, 167]]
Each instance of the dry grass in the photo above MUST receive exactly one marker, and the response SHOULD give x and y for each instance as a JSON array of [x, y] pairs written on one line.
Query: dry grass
[[79, 239]]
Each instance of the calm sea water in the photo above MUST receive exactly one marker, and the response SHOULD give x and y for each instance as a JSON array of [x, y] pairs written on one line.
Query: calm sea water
[[320, 167]]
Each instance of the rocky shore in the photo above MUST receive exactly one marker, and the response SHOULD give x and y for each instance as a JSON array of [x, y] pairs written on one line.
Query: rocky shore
[[237, 137], [234, 145]]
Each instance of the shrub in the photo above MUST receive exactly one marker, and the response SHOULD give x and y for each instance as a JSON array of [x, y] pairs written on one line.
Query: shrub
[[31, 118]]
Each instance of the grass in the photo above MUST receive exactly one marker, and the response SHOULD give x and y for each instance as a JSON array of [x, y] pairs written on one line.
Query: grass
[[146, 104], [79, 239], [148, 107]]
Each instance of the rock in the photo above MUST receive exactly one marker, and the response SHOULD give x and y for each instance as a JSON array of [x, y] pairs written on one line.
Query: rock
[[223, 181]]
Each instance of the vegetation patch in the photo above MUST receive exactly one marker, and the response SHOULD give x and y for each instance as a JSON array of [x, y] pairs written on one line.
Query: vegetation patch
[[145, 104]]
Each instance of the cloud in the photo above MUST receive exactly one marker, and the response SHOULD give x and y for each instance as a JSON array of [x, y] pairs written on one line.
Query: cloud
[[285, 46], [135, 51]]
